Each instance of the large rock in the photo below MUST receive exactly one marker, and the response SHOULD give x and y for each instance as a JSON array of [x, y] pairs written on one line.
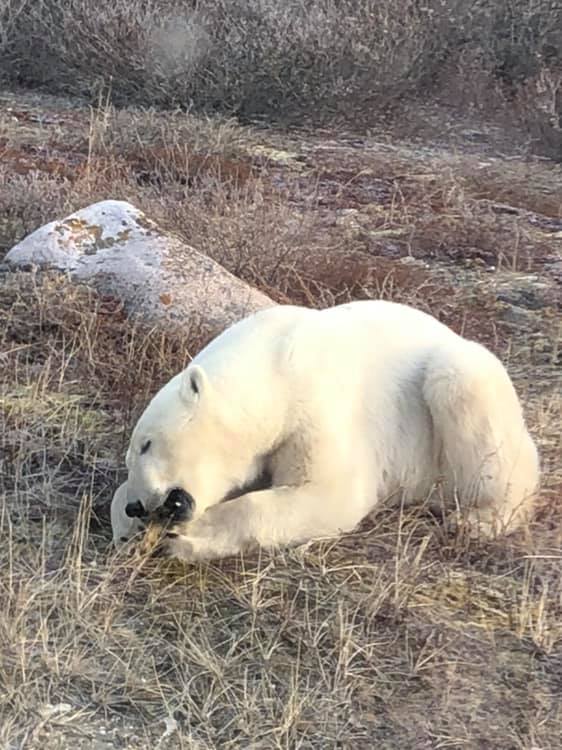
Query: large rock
[[115, 248]]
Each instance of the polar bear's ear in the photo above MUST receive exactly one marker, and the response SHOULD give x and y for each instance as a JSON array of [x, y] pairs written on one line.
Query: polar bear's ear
[[193, 384]]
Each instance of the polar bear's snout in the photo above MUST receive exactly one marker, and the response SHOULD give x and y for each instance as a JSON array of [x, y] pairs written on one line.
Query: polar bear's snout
[[177, 508]]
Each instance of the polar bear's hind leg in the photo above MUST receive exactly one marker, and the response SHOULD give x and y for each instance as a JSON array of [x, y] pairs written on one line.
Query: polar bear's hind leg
[[487, 456]]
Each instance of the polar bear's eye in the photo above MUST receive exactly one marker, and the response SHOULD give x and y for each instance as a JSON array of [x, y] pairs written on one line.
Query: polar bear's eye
[[145, 446]]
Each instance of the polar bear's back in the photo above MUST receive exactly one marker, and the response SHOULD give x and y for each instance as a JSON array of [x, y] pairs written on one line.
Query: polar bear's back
[[373, 333], [307, 342], [350, 321]]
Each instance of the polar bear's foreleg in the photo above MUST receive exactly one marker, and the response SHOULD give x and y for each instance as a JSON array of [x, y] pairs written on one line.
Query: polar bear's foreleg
[[280, 516]]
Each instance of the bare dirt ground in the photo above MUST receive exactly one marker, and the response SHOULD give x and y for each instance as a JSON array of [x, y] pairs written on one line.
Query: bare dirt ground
[[399, 636]]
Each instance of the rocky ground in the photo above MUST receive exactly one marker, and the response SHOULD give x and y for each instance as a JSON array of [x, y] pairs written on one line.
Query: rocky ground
[[398, 636]]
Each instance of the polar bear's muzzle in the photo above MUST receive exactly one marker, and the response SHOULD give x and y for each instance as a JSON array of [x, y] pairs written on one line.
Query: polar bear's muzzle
[[177, 508]]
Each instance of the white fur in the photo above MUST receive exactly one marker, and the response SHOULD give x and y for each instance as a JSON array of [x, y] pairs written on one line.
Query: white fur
[[345, 407]]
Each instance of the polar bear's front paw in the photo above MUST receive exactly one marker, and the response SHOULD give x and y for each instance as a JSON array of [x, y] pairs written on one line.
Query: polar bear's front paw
[[213, 535], [179, 547]]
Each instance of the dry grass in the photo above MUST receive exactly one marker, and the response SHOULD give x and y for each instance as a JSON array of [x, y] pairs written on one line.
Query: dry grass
[[401, 635]]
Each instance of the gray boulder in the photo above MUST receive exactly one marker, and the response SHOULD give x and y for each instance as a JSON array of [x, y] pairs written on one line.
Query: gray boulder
[[113, 247]]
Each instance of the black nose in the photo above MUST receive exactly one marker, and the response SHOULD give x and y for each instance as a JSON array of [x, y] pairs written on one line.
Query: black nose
[[178, 506], [135, 510]]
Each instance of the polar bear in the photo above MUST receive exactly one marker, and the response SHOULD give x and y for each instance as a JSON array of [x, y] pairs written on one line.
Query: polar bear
[[294, 423]]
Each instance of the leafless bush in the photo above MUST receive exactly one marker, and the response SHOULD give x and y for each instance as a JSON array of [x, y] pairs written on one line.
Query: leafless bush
[[264, 58], [252, 58]]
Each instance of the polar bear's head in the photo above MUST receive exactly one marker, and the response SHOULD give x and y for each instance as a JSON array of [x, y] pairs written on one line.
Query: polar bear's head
[[183, 442]]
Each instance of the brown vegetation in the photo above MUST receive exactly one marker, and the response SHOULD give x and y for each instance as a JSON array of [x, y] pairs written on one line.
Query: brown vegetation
[[290, 60], [401, 635]]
